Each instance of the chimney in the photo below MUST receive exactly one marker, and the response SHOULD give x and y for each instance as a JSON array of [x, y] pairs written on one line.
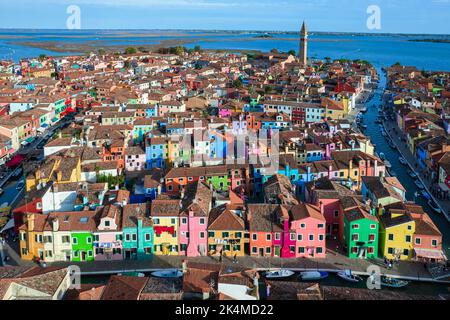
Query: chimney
[[55, 225], [31, 219], [184, 266]]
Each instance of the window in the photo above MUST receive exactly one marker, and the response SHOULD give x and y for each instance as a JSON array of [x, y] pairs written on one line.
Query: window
[[301, 250], [370, 250], [391, 250], [48, 239], [355, 237], [406, 252], [173, 221], [225, 234], [254, 250], [408, 239], [88, 240], [202, 235], [107, 223], [127, 237], [269, 237], [303, 226], [292, 236], [211, 234], [74, 240], [183, 221], [321, 226], [202, 221], [371, 237], [277, 236], [147, 237], [311, 237], [89, 253], [23, 236], [434, 243], [354, 250], [391, 237], [319, 250], [292, 249], [373, 226], [238, 235], [409, 227], [418, 241], [336, 213], [321, 237], [355, 226], [254, 236]]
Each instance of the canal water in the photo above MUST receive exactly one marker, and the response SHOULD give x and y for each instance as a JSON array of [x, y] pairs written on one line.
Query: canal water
[[374, 133]]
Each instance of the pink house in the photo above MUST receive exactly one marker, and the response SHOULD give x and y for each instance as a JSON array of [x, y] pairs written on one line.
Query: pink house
[[286, 239], [134, 159], [108, 237], [225, 111], [193, 233], [309, 226]]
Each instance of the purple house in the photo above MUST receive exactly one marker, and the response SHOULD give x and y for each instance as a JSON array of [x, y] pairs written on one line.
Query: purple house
[[193, 234]]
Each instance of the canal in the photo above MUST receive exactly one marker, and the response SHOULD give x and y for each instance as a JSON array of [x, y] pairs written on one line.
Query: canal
[[374, 133]]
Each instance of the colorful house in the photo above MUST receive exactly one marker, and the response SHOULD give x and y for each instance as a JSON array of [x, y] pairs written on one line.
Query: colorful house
[[360, 233], [226, 232], [309, 226], [165, 215], [396, 234], [137, 228], [108, 236], [82, 236], [193, 234], [263, 227]]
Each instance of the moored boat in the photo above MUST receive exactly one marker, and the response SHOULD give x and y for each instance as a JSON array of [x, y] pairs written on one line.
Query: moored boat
[[171, 273], [434, 206], [312, 275], [280, 273], [419, 184], [402, 161], [349, 276], [393, 283]]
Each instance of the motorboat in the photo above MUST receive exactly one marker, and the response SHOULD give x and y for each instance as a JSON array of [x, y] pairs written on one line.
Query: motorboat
[[412, 174], [425, 195], [170, 273], [382, 156], [312, 275], [349, 276], [393, 283], [419, 184], [133, 274], [387, 164], [434, 206], [384, 134], [280, 273], [402, 161]]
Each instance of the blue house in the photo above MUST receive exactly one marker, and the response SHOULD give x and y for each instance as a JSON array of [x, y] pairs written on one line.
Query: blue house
[[156, 152], [313, 152]]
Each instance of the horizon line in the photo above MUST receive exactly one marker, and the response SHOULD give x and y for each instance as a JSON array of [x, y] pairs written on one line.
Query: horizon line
[[227, 30]]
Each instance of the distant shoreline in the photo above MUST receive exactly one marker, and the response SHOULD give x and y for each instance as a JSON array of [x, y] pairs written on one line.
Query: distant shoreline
[[431, 40]]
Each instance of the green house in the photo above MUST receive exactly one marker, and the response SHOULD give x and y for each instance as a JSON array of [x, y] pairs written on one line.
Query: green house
[[219, 181], [82, 237], [82, 246], [137, 227], [360, 234]]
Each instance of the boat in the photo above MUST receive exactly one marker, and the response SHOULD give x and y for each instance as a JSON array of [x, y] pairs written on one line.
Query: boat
[[419, 184], [1, 191], [171, 273], [384, 134], [363, 110], [412, 174], [364, 126], [402, 161], [280, 273], [434, 206], [378, 121], [393, 283], [382, 156], [132, 274], [387, 164], [425, 195], [312, 275], [349, 276]]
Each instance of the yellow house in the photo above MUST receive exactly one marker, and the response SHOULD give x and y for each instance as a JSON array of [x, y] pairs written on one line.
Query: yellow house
[[226, 232], [60, 169], [396, 235], [31, 235], [165, 215]]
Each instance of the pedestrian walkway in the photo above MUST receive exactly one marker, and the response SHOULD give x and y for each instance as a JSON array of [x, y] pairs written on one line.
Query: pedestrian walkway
[[414, 165]]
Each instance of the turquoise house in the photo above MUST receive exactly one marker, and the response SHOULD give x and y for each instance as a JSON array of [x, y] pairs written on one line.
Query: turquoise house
[[137, 228]]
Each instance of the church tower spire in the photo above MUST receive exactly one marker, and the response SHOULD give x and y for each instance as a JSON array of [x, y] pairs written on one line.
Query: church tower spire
[[303, 50]]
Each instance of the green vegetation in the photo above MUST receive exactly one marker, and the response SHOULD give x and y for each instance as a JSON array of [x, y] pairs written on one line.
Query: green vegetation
[[130, 50], [237, 84], [111, 180]]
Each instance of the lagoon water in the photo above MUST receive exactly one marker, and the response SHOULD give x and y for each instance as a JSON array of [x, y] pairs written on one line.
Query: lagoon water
[[381, 50]]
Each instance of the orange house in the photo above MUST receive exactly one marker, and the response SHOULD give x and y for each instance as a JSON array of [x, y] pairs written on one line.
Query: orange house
[[263, 227], [115, 151]]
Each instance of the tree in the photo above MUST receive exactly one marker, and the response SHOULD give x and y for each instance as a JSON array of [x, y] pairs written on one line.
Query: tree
[[197, 49], [274, 50], [237, 84], [130, 50], [101, 51], [179, 50], [292, 52], [268, 89], [327, 59], [42, 57]]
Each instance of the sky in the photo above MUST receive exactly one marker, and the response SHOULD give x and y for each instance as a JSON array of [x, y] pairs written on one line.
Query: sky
[[396, 16]]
